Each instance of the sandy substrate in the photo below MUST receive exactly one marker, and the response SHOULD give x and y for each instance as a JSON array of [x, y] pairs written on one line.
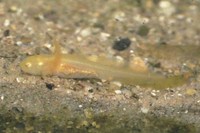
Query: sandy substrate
[[163, 34]]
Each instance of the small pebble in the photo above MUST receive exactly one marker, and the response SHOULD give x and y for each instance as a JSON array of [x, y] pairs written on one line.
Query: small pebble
[[20, 79], [19, 43], [39, 17], [13, 9], [50, 86], [104, 36], [166, 7], [119, 16], [2, 97], [127, 93], [186, 111], [6, 23], [153, 94], [180, 95], [143, 30], [89, 88], [85, 32], [118, 92], [6, 33], [144, 110], [122, 44]]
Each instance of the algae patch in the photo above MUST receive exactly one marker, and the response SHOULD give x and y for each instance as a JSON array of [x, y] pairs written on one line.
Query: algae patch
[[89, 121]]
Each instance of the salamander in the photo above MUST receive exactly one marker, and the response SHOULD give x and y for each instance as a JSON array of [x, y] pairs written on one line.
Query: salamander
[[79, 67]]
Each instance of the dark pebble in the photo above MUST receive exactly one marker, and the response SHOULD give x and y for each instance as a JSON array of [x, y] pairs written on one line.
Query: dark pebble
[[50, 86], [90, 90], [122, 44], [20, 125], [17, 110], [6, 33], [143, 30]]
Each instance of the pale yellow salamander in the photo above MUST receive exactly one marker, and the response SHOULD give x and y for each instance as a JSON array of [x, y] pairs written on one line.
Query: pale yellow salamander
[[78, 66]]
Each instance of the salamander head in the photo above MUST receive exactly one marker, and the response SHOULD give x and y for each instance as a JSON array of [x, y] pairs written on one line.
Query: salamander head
[[35, 64]]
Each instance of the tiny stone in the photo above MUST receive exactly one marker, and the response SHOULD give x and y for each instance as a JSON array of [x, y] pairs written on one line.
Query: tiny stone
[[20, 125], [2, 97], [50, 86], [89, 88], [40, 17], [143, 30], [48, 45], [166, 7], [186, 111], [119, 16], [144, 110], [118, 92], [153, 94], [6, 33], [104, 36], [85, 32], [78, 38], [180, 95], [189, 20], [18, 80], [122, 44], [6, 23], [13, 9], [19, 43], [164, 4]]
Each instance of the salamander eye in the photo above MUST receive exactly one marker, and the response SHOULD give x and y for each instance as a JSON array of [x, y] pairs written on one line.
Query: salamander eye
[[40, 63], [28, 64]]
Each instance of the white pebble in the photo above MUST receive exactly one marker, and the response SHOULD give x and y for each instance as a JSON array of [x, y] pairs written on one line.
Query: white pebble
[[6, 23], [2, 97], [104, 36], [119, 16], [18, 43], [144, 110], [166, 7], [118, 92], [85, 32], [153, 94]]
